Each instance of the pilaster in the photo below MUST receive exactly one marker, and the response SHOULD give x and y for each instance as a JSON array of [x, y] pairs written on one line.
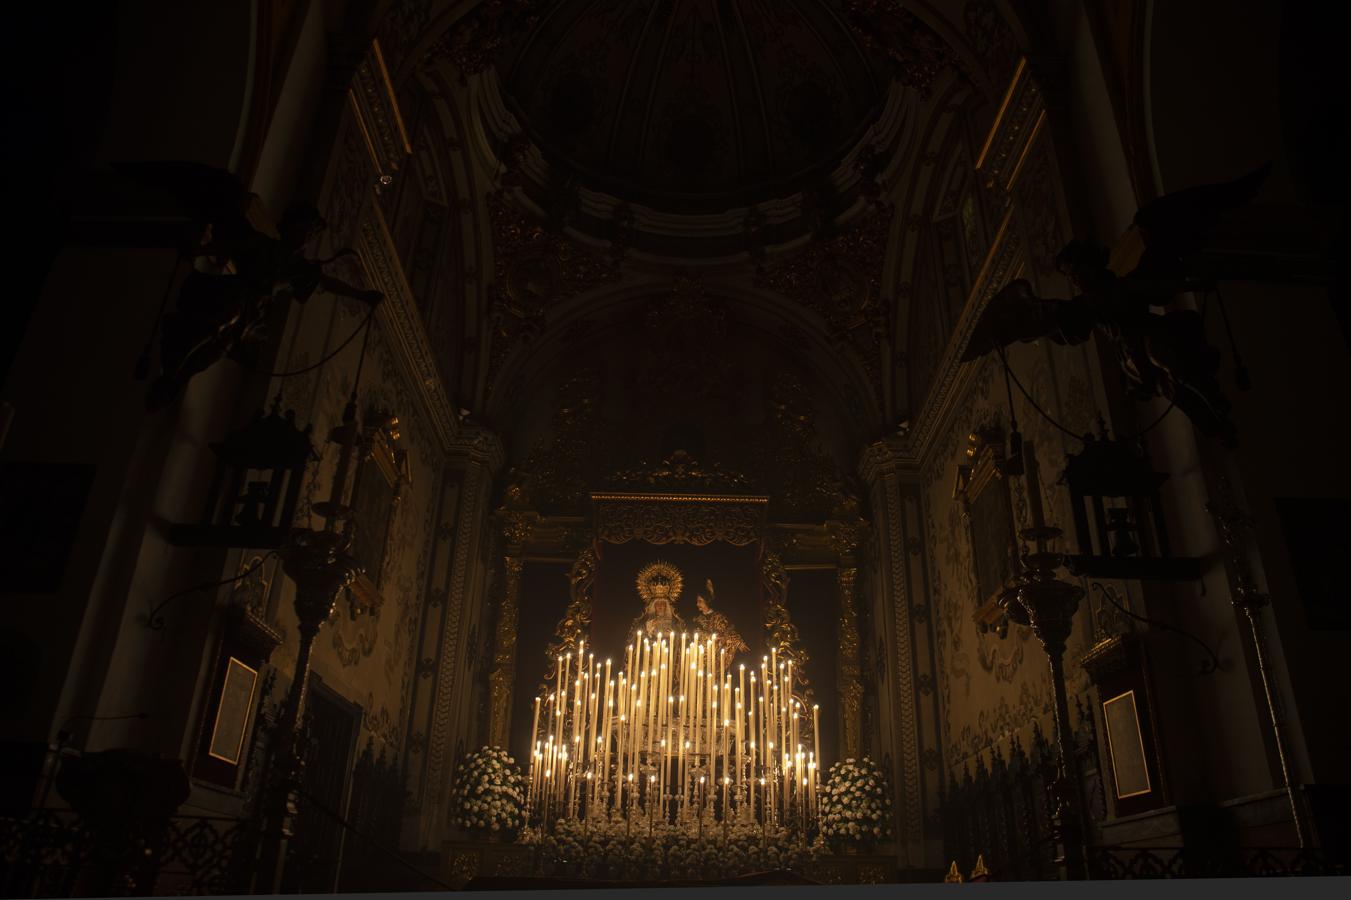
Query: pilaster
[[901, 615], [440, 714]]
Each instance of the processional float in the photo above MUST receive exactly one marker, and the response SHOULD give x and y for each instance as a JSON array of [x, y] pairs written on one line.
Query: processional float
[[688, 732]]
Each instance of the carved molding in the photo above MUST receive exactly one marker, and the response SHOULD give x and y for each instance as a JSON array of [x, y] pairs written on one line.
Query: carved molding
[[1021, 116], [679, 518], [890, 555], [850, 683], [677, 472], [401, 323], [503, 677], [377, 113], [478, 448]]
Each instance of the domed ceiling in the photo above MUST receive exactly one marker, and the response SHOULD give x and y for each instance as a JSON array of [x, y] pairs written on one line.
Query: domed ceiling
[[692, 106]]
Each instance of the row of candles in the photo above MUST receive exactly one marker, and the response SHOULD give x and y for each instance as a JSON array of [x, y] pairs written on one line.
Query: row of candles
[[670, 740]]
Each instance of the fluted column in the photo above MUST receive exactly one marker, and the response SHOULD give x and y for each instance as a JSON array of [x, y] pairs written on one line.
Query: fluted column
[[441, 716], [900, 592]]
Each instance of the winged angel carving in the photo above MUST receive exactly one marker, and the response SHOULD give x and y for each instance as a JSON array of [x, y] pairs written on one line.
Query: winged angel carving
[[241, 273], [1162, 354]]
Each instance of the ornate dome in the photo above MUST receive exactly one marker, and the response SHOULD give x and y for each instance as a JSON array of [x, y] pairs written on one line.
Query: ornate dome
[[692, 106]]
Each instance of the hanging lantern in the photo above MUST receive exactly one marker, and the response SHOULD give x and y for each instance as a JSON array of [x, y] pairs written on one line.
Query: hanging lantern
[[253, 495], [1118, 518]]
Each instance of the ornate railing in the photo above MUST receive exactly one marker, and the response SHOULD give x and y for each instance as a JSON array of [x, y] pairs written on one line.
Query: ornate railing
[[42, 854], [54, 853], [1000, 813], [1186, 862]]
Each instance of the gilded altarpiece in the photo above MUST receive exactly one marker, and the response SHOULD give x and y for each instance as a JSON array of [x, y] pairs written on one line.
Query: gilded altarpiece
[[738, 567]]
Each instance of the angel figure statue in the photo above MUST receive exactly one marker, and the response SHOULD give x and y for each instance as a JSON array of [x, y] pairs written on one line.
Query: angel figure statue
[[710, 621]]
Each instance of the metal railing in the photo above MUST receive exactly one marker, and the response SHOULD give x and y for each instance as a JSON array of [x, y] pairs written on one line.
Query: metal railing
[[1188, 862], [54, 853]]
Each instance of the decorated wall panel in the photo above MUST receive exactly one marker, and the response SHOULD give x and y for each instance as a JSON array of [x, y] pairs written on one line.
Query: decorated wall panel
[[368, 658], [992, 688]]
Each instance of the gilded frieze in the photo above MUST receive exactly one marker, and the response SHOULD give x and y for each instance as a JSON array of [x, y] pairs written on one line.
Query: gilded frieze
[[678, 519]]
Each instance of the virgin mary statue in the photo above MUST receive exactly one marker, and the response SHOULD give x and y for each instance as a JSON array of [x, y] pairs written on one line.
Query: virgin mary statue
[[659, 585]]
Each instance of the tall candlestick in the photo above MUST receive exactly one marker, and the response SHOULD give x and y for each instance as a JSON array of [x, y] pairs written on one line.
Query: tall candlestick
[[681, 744], [534, 726]]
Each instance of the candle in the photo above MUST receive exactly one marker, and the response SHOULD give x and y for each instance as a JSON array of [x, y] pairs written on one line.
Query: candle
[[606, 728], [534, 726], [621, 733], [681, 744], [737, 717]]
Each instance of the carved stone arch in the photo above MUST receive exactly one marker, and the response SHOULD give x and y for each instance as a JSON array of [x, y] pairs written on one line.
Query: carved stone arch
[[411, 27], [467, 184], [915, 210], [946, 21]]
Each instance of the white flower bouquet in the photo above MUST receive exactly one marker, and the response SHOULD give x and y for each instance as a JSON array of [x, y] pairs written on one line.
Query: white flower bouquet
[[856, 806], [490, 795]]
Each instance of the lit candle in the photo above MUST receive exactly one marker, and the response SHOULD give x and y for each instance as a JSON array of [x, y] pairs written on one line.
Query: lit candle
[[681, 744], [534, 725], [666, 745], [738, 714], [816, 746]]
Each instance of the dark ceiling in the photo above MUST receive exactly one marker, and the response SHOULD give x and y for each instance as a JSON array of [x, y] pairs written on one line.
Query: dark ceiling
[[692, 105]]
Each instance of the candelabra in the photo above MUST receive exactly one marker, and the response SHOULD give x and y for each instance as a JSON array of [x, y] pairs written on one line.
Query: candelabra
[[1048, 605], [320, 563], [673, 738], [1036, 597]]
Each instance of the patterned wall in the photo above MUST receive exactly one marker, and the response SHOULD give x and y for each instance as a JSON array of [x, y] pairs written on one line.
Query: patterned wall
[[992, 688], [989, 688], [370, 659]]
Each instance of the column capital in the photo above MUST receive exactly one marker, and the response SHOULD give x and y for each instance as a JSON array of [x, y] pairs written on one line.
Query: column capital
[[882, 457], [476, 445], [845, 538], [517, 526]]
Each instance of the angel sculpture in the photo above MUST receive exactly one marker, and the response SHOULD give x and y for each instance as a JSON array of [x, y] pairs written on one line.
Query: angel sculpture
[[710, 621], [241, 273], [1161, 354]]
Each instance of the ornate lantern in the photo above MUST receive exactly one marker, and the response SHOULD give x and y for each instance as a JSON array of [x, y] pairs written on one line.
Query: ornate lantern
[[1118, 519], [259, 474]]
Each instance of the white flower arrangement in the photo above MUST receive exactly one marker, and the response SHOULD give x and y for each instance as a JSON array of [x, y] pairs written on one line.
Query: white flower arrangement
[[855, 806], [490, 795]]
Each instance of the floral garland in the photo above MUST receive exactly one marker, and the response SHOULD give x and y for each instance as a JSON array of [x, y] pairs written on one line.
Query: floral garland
[[610, 851], [490, 795], [855, 806]]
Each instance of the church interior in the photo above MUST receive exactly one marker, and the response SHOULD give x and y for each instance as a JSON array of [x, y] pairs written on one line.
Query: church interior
[[539, 443]]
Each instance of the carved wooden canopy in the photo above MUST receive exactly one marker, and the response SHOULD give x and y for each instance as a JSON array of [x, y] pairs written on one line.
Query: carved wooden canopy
[[698, 519]]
